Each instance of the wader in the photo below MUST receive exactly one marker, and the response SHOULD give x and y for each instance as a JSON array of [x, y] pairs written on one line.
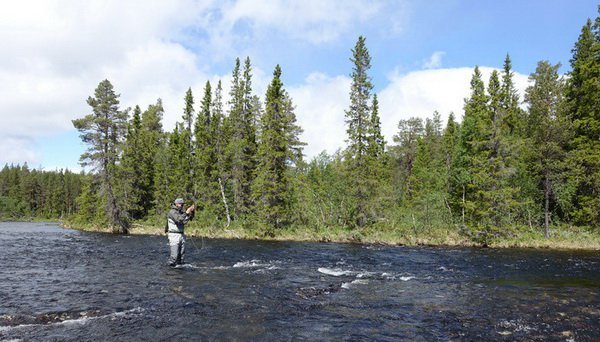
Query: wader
[[177, 248], [176, 220]]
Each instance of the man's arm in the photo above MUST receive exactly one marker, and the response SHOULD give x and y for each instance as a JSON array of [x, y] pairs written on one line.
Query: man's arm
[[191, 211], [178, 217]]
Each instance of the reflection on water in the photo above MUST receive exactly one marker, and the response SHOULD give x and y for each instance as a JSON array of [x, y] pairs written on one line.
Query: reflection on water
[[58, 284]]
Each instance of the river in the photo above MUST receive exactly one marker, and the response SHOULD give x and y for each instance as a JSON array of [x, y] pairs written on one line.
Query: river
[[61, 284]]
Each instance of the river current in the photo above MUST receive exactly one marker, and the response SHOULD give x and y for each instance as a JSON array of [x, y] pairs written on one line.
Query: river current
[[60, 284]]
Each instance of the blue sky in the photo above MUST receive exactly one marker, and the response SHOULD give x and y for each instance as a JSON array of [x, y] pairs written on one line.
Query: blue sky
[[423, 54]]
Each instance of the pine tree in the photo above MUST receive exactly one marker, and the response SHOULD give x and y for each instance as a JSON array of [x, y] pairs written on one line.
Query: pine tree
[[404, 153], [358, 127], [449, 139], [470, 156], [103, 131], [221, 137], [583, 106], [513, 149], [187, 143], [204, 151], [428, 177], [152, 138], [375, 140], [241, 149], [131, 171], [278, 147], [546, 128], [512, 116]]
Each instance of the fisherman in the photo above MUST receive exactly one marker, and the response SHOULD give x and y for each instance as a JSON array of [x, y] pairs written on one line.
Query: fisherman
[[176, 220]]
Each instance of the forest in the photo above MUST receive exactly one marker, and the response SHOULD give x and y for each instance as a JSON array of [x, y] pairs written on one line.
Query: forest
[[509, 167]]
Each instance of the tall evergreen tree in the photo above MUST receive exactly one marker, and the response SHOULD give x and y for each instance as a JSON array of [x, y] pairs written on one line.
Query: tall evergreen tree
[[220, 133], [358, 121], [131, 171], [376, 142], [470, 157], [428, 177], [204, 151], [449, 140], [187, 143], [494, 185], [547, 131], [242, 144], [583, 101], [103, 131], [512, 116], [151, 139], [273, 181], [404, 153]]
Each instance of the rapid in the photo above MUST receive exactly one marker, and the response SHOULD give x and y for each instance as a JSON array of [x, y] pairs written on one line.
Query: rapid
[[61, 284]]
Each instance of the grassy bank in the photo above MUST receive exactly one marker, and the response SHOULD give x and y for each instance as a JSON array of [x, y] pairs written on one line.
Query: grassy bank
[[562, 237]]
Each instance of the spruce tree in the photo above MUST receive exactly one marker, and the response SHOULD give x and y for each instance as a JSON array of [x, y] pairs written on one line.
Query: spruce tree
[[428, 177], [449, 139], [271, 184], [404, 154], [220, 133], [241, 149], [204, 151], [375, 140], [131, 171], [103, 131], [547, 132], [277, 149], [151, 139], [187, 143], [583, 106], [358, 121], [470, 156]]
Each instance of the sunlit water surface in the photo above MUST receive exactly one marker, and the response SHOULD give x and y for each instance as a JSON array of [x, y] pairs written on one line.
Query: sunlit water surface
[[59, 284]]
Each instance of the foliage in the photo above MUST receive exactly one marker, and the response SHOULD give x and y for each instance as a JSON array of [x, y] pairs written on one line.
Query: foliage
[[27, 194], [583, 107], [500, 173], [104, 131], [278, 152]]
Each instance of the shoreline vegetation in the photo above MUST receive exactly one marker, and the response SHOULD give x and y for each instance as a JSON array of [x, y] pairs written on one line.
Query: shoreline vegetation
[[517, 170], [561, 238]]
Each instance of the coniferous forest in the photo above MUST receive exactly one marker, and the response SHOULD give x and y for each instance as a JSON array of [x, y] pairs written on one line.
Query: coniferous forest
[[511, 166]]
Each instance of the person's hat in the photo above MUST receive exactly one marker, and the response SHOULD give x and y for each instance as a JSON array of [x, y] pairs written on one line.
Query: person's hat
[[179, 201]]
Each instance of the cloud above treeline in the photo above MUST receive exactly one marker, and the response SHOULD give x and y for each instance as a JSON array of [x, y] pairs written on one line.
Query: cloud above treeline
[[56, 52]]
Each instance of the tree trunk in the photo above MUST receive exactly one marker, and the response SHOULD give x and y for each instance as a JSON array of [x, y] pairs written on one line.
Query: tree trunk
[[225, 202], [546, 206], [463, 205]]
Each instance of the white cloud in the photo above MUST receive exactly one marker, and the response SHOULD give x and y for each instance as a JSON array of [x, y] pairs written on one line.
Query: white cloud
[[17, 150], [317, 21], [60, 50], [320, 103], [420, 93], [57, 51], [434, 61]]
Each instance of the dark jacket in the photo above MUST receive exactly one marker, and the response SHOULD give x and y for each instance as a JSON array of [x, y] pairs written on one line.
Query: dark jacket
[[176, 220]]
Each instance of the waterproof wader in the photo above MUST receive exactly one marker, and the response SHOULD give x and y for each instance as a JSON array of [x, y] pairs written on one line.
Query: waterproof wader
[[177, 249], [176, 220]]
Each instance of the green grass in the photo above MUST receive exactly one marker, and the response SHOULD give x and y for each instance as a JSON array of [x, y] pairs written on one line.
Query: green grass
[[386, 233]]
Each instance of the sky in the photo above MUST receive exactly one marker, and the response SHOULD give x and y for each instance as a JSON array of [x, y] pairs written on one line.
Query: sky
[[54, 54]]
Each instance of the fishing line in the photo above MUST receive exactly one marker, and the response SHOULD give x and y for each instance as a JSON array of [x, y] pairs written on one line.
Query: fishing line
[[193, 243]]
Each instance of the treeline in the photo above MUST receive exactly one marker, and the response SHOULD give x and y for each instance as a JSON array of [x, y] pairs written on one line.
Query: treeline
[[28, 194], [510, 164], [237, 160]]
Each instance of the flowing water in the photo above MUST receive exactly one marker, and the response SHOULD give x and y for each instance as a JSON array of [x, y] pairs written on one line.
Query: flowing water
[[59, 284]]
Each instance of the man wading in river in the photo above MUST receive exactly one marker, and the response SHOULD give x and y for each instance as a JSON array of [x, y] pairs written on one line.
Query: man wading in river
[[176, 220]]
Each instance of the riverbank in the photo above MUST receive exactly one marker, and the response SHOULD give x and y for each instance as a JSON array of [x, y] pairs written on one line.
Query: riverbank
[[568, 238]]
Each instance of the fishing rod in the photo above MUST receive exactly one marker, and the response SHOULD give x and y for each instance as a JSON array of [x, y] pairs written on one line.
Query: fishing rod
[[194, 201]]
